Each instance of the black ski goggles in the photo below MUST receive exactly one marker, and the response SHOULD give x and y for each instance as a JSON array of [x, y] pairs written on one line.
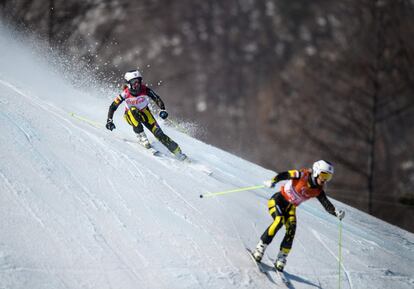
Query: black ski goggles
[[135, 83]]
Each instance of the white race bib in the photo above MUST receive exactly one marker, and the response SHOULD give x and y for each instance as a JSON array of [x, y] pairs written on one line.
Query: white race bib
[[140, 102]]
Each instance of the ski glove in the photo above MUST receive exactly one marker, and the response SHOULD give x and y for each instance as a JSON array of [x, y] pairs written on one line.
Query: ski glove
[[340, 214], [163, 114], [269, 184], [110, 124]]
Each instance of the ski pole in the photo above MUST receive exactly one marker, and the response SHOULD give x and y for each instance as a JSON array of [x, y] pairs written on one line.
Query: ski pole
[[231, 191], [340, 254], [84, 119]]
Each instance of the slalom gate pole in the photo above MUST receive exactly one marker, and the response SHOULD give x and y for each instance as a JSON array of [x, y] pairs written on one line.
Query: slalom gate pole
[[340, 254], [231, 191]]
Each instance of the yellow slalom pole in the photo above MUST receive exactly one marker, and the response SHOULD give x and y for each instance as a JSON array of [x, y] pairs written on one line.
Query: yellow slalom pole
[[231, 191], [84, 119]]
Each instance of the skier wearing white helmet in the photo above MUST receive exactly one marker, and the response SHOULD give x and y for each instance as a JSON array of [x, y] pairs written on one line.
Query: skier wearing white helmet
[[301, 185], [137, 113]]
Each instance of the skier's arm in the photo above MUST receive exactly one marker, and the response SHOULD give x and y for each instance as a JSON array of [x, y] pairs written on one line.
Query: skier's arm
[[114, 105], [112, 108], [289, 175], [327, 205], [156, 98], [292, 174]]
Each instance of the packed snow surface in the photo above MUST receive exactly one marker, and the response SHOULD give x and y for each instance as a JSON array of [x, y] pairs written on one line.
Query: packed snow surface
[[81, 207]]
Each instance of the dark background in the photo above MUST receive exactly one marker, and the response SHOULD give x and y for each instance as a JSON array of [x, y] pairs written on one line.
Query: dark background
[[280, 83]]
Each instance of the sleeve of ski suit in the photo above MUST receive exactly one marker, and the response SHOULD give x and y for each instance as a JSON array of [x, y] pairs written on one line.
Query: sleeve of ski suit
[[114, 105], [283, 176], [328, 206], [156, 98]]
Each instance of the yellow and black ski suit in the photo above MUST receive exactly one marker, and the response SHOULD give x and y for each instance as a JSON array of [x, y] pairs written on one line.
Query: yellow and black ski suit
[[137, 116], [282, 208]]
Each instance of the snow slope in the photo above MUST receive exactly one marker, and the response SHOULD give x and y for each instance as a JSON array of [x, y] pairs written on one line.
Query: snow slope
[[82, 208]]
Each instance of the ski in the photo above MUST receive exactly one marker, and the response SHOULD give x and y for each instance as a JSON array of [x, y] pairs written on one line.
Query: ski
[[151, 149], [270, 271], [155, 152], [182, 158], [259, 265], [198, 166], [282, 277], [185, 160], [193, 164], [262, 267]]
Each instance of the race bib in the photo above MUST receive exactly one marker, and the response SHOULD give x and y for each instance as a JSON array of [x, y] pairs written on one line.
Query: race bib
[[139, 102], [292, 196]]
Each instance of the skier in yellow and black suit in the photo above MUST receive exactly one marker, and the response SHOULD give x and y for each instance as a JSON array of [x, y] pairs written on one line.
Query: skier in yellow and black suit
[[302, 185], [137, 112]]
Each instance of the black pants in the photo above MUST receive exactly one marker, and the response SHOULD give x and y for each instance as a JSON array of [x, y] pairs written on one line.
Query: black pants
[[283, 213], [136, 118]]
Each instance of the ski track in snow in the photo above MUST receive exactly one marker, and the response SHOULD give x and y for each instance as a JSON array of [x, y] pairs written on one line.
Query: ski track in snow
[[308, 261], [318, 237], [19, 193]]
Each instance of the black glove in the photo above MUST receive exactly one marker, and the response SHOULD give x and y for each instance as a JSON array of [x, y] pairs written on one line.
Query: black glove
[[163, 114], [110, 124]]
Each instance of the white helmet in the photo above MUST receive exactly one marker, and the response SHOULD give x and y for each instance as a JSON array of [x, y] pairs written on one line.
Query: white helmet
[[324, 167], [134, 80], [132, 74]]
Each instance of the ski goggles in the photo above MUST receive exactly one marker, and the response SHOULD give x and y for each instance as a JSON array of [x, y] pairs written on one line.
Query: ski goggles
[[324, 176], [135, 83]]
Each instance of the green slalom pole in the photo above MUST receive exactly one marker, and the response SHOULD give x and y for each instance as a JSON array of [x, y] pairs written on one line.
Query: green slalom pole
[[340, 254], [231, 191]]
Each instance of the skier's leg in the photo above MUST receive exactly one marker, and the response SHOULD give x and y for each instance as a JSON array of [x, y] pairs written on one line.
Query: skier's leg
[[277, 215], [268, 235], [133, 118], [287, 242], [133, 121], [290, 225], [150, 122]]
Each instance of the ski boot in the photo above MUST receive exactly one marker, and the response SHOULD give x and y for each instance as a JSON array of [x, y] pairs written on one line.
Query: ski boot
[[143, 140], [281, 261], [179, 154], [259, 251]]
